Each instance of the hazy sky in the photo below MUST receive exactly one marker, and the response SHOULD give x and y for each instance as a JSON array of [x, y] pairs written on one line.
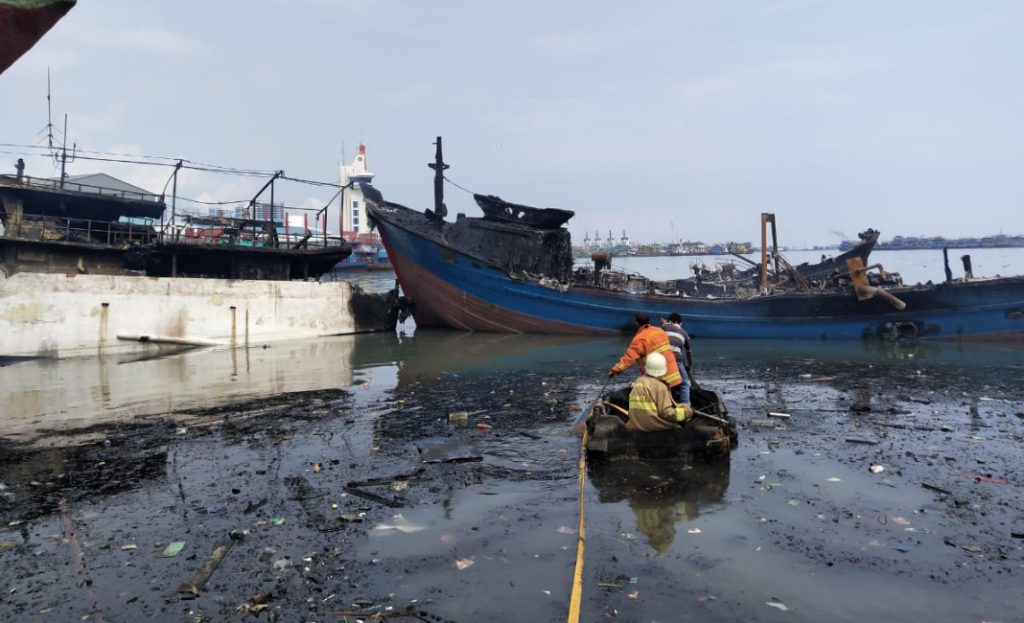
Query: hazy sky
[[667, 119]]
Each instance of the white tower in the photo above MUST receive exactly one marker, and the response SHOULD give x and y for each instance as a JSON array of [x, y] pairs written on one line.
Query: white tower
[[353, 209]]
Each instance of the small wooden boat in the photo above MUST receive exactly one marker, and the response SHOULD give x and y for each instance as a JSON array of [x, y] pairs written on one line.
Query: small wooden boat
[[701, 439]]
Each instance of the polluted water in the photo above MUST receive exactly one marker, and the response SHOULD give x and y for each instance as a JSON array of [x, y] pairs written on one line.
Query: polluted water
[[99, 463]]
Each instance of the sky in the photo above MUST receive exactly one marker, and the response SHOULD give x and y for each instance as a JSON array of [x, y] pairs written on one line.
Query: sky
[[669, 120]]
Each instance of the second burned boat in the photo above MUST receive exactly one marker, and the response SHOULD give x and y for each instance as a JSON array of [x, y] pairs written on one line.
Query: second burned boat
[[507, 272], [85, 270]]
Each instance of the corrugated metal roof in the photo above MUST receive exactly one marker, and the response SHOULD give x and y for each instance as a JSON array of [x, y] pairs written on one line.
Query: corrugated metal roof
[[92, 181]]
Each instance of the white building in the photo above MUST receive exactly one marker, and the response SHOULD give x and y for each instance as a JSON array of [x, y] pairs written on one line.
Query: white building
[[353, 209]]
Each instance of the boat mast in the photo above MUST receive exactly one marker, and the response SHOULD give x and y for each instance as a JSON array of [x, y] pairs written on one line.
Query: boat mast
[[439, 167], [767, 218]]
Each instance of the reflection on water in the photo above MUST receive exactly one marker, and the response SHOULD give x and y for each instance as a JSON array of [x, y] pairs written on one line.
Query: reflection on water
[[661, 494], [850, 351], [66, 394], [433, 354], [74, 393]]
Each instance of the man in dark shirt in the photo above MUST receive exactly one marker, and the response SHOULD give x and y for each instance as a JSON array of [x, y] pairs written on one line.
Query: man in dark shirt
[[679, 340]]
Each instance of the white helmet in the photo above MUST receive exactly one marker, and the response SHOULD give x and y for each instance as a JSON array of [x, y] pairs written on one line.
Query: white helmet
[[655, 365]]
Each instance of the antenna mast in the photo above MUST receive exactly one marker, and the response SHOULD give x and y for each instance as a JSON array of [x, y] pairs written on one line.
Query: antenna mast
[[49, 114], [64, 152]]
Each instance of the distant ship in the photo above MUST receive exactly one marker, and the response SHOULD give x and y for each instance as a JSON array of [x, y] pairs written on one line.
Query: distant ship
[[906, 243]]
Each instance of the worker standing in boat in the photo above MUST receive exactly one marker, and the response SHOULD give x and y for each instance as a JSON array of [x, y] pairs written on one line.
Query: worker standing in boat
[[679, 340], [651, 407], [649, 340]]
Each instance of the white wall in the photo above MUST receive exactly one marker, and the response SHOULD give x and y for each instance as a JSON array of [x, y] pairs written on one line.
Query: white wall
[[67, 315]]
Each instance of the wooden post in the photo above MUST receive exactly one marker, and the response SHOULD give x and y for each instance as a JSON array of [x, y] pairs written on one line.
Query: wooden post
[[766, 218]]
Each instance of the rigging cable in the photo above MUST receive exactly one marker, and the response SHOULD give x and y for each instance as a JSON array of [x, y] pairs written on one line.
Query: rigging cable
[[458, 186]]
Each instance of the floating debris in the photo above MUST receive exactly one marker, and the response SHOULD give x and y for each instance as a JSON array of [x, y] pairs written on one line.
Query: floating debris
[[400, 524], [173, 549]]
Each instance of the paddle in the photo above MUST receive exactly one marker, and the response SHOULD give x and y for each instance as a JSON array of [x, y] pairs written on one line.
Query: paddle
[[710, 417], [695, 385], [581, 422]]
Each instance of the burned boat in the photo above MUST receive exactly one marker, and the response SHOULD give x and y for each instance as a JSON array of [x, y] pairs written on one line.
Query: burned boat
[[726, 271], [88, 270], [708, 437], [488, 274], [22, 24]]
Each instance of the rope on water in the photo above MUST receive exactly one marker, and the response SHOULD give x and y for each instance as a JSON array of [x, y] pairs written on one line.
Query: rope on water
[[577, 580]]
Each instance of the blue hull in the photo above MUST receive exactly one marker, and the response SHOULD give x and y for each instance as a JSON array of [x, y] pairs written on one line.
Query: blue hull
[[451, 288]]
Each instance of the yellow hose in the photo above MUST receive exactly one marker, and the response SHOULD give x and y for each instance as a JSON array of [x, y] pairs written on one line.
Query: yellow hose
[[577, 580]]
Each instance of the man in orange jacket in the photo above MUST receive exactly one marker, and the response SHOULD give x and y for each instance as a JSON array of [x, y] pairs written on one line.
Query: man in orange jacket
[[648, 340]]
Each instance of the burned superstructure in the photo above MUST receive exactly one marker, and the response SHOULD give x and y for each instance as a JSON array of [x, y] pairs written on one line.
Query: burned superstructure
[[512, 271]]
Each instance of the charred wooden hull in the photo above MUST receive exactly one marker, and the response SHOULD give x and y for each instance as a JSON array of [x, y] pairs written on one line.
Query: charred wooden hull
[[862, 250], [497, 209], [610, 440], [459, 279], [699, 440]]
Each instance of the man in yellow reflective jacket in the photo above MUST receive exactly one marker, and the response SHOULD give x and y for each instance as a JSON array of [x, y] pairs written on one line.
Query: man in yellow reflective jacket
[[651, 407], [648, 340]]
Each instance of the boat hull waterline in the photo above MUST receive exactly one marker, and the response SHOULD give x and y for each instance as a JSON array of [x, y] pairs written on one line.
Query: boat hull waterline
[[450, 288]]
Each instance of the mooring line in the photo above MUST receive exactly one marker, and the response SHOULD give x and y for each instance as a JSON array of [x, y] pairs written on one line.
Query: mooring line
[[577, 580]]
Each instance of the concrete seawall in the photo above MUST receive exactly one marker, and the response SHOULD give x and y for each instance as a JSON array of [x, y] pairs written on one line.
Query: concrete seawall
[[57, 315]]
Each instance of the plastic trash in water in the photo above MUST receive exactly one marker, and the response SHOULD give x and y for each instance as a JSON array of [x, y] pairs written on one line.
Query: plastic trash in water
[[173, 549], [399, 523], [778, 605], [877, 469], [282, 564], [463, 563]]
